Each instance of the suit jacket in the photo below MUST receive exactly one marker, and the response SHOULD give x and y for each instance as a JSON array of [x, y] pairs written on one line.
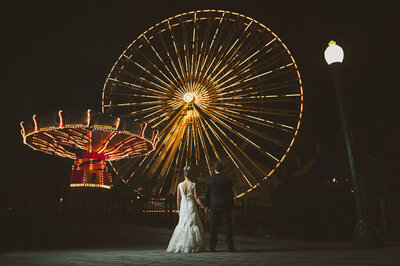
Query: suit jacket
[[219, 193]]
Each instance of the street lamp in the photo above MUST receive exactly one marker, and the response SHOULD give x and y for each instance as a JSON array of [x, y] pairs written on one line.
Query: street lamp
[[365, 236], [333, 53]]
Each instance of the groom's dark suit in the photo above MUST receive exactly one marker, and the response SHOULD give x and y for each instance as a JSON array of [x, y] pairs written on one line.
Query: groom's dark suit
[[219, 198]]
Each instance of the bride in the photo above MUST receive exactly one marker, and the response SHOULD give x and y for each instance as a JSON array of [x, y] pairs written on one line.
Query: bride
[[188, 234]]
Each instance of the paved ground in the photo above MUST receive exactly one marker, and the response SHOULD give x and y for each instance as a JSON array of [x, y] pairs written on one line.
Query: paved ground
[[140, 245]]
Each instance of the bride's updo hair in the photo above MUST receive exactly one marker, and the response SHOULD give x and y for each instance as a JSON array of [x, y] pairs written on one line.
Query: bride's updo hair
[[187, 171]]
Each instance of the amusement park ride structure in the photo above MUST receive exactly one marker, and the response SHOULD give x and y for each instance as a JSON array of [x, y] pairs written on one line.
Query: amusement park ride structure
[[217, 85], [90, 140]]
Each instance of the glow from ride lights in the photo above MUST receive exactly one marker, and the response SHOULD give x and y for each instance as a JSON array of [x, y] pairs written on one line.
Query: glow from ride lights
[[117, 125], [188, 97], [90, 185], [61, 119], [23, 130], [144, 125], [35, 122], [91, 141], [88, 117]]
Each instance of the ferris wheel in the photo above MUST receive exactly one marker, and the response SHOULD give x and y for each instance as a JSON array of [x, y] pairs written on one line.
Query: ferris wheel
[[217, 85]]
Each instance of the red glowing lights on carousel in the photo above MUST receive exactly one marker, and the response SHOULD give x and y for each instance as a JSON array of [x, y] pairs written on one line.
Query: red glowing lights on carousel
[[90, 140]]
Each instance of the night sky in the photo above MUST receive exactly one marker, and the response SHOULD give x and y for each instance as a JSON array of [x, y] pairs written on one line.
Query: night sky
[[57, 56]]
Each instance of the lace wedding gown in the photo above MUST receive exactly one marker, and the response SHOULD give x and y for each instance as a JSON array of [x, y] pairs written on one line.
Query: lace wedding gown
[[188, 234]]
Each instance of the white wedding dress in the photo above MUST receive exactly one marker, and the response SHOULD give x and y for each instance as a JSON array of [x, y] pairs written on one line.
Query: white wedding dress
[[188, 234]]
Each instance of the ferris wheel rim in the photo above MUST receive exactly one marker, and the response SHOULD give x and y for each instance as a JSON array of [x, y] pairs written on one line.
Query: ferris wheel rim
[[300, 112]]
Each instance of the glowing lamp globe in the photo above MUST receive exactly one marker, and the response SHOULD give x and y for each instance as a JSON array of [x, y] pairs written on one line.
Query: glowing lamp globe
[[333, 53], [188, 97]]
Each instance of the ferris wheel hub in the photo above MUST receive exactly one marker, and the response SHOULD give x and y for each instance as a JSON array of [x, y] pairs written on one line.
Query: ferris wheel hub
[[188, 97]]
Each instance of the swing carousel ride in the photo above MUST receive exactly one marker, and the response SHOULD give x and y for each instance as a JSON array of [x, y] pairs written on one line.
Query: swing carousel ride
[[90, 140]]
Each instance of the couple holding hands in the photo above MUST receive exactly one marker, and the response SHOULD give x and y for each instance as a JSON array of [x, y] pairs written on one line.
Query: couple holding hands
[[188, 234]]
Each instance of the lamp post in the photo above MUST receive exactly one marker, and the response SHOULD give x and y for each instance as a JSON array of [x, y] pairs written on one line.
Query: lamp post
[[365, 236]]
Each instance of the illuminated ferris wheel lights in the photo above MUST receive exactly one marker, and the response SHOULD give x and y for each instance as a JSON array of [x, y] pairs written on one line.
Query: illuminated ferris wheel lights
[[243, 80], [188, 97]]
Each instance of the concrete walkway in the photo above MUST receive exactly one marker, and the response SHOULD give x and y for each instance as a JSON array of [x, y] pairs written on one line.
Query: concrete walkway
[[140, 245]]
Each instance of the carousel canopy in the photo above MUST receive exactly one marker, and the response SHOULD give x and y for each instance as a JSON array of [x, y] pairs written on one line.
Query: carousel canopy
[[84, 134]]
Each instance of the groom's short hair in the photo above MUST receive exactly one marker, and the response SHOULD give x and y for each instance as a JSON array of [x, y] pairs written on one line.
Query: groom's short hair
[[218, 166]]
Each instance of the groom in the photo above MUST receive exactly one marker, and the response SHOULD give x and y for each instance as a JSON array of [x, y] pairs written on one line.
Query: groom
[[219, 201]]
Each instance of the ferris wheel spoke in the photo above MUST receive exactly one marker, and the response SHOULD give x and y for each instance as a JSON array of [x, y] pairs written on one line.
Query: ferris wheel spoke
[[209, 51], [134, 114], [152, 121], [176, 119], [226, 45], [203, 144], [163, 63], [186, 54], [260, 121], [194, 48], [196, 143], [155, 86], [269, 72], [124, 172], [248, 129], [181, 64], [204, 129], [234, 67], [237, 70], [132, 104], [244, 74], [241, 67], [229, 140], [129, 94], [150, 92], [231, 155], [142, 160], [175, 177], [157, 159], [245, 139], [288, 85], [176, 151], [190, 144], [159, 58], [153, 76], [121, 176], [171, 148], [150, 73], [212, 49], [254, 98], [243, 82], [156, 154], [228, 118], [179, 76], [265, 111], [237, 101], [202, 56]]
